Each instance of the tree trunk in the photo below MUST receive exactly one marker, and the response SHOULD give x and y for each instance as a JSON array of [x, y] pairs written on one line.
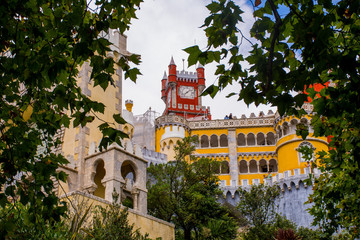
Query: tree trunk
[[187, 233]]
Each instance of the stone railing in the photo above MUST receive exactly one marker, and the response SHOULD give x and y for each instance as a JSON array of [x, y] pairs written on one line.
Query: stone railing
[[229, 123]]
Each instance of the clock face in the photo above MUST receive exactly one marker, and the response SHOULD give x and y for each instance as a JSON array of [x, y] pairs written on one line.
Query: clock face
[[187, 92]]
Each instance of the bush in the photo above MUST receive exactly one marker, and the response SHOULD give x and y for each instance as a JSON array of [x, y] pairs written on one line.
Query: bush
[[309, 234], [108, 223], [281, 228], [15, 224], [111, 223], [286, 234]]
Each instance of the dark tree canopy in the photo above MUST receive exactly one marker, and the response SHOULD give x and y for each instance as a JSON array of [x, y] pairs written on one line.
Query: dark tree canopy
[[42, 45]]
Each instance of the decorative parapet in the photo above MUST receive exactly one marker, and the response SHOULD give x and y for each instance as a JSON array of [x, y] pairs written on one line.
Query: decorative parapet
[[154, 157], [171, 119], [252, 154], [287, 180], [212, 155], [230, 123], [187, 76]]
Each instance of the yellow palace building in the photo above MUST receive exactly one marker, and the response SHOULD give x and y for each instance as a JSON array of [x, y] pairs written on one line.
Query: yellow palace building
[[250, 148]]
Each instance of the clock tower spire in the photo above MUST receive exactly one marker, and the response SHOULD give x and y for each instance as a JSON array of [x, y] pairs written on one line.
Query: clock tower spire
[[181, 92]]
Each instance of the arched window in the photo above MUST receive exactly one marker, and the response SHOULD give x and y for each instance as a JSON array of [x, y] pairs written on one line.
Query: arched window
[[225, 167], [310, 147], [260, 139], [243, 166], [223, 140], [171, 144], [263, 166], [270, 138], [99, 175], [253, 166], [250, 139], [293, 124], [204, 141], [285, 128], [279, 132], [241, 139], [214, 142], [273, 165], [128, 171]]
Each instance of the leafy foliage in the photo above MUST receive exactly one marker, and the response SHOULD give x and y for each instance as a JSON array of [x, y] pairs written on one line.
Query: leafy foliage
[[107, 223], [300, 44], [184, 192], [112, 223], [15, 223], [42, 46], [286, 234], [258, 204]]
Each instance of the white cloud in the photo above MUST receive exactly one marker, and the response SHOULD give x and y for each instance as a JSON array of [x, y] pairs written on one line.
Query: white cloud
[[162, 30]]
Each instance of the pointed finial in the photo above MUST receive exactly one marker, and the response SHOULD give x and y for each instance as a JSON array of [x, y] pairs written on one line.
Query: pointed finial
[[172, 62], [165, 76], [200, 66]]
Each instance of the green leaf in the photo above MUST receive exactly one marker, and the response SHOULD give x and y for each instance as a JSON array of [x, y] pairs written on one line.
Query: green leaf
[[119, 119]]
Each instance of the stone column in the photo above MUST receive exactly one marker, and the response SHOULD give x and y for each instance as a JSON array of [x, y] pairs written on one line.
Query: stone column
[[110, 185], [135, 194], [234, 170]]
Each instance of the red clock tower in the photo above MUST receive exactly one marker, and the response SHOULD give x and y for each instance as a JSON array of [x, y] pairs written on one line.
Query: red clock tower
[[181, 92]]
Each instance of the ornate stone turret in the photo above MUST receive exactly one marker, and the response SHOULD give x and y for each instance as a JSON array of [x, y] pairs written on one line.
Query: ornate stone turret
[[172, 73], [201, 77], [163, 87], [129, 104]]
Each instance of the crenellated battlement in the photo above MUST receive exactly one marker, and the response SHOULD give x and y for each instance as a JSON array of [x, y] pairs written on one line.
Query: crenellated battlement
[[154, 157], [185, 76], [167, 120]]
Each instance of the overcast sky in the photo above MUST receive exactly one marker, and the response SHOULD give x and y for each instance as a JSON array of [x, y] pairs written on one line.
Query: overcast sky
[[162, 30]]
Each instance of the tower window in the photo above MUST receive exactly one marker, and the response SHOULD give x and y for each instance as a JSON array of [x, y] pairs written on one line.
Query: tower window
[[223, 140], [204, 142], [309, 148]]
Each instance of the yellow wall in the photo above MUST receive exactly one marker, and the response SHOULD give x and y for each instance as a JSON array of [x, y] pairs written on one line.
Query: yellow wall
[[209, 132], [254, 130], [158, 133], [256, 149], [169, 149], [225, 177], [109, 100], [288, 157]]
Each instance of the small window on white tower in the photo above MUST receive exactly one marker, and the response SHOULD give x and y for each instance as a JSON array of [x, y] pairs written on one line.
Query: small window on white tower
[[305, 150]]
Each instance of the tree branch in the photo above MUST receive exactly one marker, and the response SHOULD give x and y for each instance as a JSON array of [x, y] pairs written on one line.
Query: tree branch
[[275, 36]]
